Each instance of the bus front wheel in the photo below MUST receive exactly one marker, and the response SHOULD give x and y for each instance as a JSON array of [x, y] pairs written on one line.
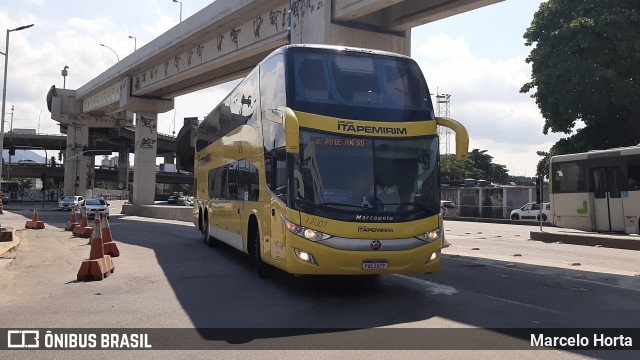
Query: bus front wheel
[[263, 268]]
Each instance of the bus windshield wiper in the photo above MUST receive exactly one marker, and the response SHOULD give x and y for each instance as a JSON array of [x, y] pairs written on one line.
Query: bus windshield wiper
[[414, 204], [327, 204]]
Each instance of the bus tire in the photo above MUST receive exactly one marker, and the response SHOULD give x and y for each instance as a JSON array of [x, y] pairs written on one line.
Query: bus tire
[[515, 217], [206, 237], [264, 270]]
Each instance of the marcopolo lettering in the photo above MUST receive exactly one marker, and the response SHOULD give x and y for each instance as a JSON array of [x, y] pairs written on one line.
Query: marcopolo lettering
[[373, 218], [372, 129]]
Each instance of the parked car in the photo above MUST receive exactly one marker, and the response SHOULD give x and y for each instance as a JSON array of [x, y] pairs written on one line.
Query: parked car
[[5, 198], [172, 199], [95, 204], [188, 201], [27, 162], [180, 200], [531, 211], [449, 208], [68, 202]]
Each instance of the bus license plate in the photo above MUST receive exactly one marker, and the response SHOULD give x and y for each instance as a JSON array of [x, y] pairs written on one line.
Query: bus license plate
[[374, 264]]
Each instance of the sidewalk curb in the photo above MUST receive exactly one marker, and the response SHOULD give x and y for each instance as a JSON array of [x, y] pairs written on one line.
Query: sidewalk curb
[[586, 240], [9, 246]]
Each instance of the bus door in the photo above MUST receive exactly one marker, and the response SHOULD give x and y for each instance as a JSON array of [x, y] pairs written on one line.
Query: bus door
[[278, 232], [607, 202]]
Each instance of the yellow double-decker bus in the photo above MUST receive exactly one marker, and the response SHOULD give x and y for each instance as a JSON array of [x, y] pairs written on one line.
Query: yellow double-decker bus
[[324, 160]]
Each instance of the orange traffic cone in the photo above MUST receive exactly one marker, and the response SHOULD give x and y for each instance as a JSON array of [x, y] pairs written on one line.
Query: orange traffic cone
[[110, 247], [99, 265], [34, 223], [73, 220], [83, 230]]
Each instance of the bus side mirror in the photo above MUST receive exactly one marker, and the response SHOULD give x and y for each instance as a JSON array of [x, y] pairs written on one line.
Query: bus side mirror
[[462, 136], [291, 131]]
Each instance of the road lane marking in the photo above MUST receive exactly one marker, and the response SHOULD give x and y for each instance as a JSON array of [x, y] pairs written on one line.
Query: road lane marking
[[431, 287]]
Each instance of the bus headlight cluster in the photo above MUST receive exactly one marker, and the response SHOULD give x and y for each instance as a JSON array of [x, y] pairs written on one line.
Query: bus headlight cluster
[[431, 236], [302, 231]]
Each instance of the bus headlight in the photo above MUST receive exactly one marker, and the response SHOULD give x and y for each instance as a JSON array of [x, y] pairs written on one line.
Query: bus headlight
[[431, 236], [309, 234]]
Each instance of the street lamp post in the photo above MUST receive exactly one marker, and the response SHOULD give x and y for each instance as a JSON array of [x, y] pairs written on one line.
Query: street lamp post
[[39, 121], [112, 50], [64, 77], [4, 93], [176, 1], [10, 144], [135, 45]]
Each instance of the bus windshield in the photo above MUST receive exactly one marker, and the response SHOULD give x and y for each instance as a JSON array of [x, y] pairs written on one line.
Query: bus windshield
[[362, 83], [346, 178]]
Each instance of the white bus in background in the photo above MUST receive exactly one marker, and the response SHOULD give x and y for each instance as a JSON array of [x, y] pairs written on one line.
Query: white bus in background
[[597, 190]]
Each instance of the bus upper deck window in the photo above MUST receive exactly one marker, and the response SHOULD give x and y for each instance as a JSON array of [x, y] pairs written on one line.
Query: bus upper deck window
[[311, 75]]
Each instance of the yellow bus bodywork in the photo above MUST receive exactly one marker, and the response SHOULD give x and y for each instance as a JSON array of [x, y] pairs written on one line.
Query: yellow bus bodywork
[[231, 218]]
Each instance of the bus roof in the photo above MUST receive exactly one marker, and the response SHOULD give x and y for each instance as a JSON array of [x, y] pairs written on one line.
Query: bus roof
[[342, 48], [598, 154]]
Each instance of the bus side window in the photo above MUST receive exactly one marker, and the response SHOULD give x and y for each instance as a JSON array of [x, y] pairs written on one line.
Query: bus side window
[[633, 173]]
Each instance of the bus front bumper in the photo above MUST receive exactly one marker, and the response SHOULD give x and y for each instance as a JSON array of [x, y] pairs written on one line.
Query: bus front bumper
[[306, 257]]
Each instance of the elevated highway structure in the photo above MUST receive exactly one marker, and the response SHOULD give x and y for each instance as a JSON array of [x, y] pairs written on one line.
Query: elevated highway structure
[[223, 42]]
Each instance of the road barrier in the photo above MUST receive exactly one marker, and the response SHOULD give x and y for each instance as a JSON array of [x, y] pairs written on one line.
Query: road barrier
[[73, 220], [34, 223], [110, 247], [83, 230], [99, 265]]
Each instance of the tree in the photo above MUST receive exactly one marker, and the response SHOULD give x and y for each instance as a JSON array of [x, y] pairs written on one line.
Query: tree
[[479, 165], [585, 68]]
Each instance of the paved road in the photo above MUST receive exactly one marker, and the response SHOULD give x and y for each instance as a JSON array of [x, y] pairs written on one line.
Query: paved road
[[166, 278]]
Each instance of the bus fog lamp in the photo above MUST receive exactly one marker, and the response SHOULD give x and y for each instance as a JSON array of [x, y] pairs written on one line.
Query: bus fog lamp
[[433, 256], [305, 256]]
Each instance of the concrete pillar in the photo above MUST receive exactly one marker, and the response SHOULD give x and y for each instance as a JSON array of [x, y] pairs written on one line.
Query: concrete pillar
[[505, 201], [144, 160], [91, 176], [481, 200], [123, 167], [75, 165], [312, 23]]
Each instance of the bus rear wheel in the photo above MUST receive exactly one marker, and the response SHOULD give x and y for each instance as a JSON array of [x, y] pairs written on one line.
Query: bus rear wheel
[[206, 237]]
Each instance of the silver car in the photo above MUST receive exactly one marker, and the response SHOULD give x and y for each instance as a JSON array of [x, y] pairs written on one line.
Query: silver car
[[95, 204], [68, 202]]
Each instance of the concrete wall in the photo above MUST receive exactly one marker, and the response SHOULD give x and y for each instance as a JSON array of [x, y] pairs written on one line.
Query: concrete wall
[[490, 202], [179, 213]]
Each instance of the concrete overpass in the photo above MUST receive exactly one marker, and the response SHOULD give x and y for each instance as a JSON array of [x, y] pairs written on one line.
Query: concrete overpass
[[114, 139], [34, 171], [223, 42]]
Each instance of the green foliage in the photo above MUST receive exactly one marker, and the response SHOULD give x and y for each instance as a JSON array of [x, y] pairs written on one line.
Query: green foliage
[[586, 67], [478, 166]]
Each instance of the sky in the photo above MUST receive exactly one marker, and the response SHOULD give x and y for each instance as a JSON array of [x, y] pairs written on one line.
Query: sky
[[477, 57]]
